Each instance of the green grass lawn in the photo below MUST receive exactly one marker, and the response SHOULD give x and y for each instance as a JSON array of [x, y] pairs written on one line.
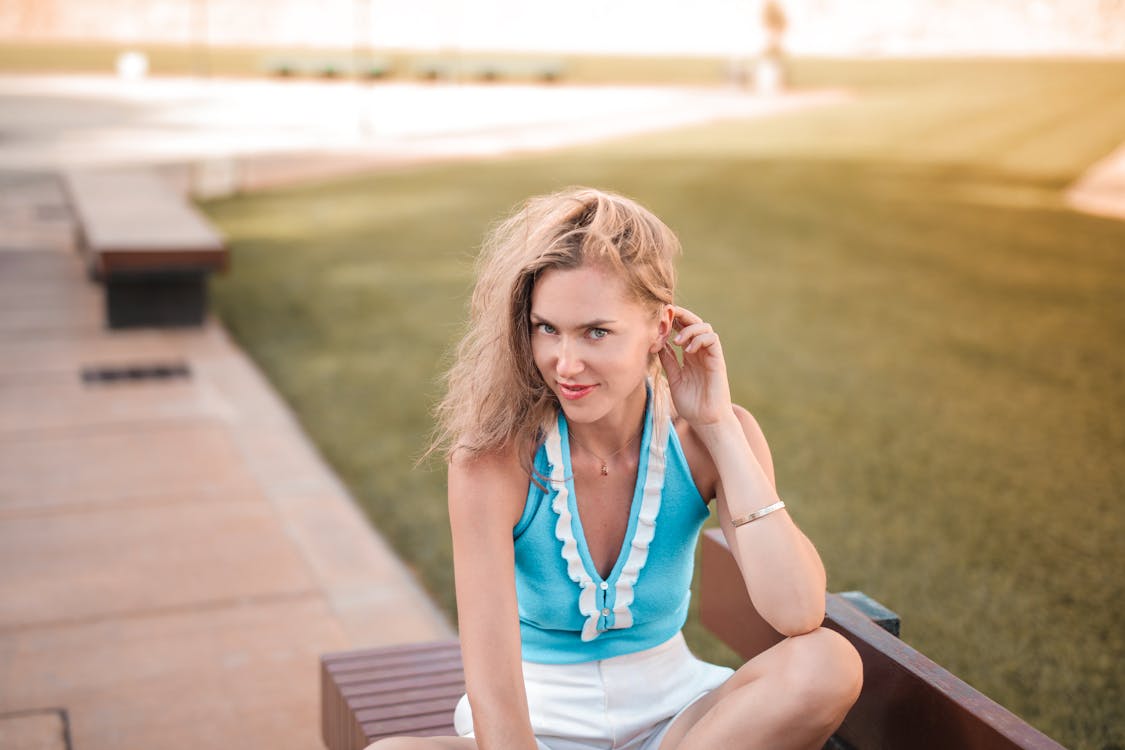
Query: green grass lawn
[[933, 343]]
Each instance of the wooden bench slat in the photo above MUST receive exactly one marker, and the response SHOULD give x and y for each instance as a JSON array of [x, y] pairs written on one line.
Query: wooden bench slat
[[371, 689], [362, 706], [406, 651], [374, 663], [375, 701], [449, 670]]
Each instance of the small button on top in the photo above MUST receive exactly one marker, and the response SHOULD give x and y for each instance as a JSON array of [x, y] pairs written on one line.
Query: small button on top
[[605, 612], [604, 585]]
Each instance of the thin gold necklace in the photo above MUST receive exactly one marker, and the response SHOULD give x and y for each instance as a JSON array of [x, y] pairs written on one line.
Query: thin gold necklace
[[605, 461]]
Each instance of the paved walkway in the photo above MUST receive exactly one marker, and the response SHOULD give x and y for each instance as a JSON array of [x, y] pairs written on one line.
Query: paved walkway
[[175, 554]]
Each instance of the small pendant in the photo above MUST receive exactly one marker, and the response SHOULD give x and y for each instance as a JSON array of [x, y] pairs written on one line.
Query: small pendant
[[605, 469]]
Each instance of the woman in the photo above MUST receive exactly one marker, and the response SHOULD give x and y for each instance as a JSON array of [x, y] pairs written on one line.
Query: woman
[[583, 453]]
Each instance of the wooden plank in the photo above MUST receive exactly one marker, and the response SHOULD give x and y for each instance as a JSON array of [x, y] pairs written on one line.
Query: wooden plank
[[408, 690], [374, 660], [405, 650], [132, 220], [367, 706], [370, 691], [425, 705], [908, 701]]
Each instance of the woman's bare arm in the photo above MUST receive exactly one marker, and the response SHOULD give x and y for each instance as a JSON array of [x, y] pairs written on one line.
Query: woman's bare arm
[[486, 499], [783, 572]]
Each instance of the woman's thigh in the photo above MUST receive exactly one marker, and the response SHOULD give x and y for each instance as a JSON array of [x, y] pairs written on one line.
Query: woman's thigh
[[821, 653]]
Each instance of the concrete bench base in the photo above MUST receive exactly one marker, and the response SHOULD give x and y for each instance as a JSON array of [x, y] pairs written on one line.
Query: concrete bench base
[[150, 298]]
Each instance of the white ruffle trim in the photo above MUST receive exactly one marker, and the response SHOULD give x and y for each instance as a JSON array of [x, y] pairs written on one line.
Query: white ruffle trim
[[646, 528], [642, 535], [564, 532]]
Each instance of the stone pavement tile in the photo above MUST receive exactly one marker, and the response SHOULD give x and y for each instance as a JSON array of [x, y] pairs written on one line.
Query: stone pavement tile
[[362, 578], [225, 375], [61, 400], [46, 290], [43, 270], [72, 465], [95, 346], [34, 730], [34, 213], [46, 322], [239, 676], [111, 562]]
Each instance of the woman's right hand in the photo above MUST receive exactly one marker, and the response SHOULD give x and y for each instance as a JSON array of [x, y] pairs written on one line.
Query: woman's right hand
[[698, 384]]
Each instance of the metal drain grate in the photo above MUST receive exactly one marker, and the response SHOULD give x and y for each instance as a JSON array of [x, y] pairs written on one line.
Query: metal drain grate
[[161, 371]]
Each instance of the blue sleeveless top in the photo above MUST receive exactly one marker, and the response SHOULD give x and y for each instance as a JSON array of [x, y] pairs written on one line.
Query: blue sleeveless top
[[567, 612]]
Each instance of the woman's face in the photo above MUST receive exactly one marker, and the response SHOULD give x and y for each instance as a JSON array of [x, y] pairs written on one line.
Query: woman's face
[[591, 341]]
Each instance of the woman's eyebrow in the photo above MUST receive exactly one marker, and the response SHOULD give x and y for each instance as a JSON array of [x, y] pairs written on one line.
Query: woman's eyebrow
[[598, 323]]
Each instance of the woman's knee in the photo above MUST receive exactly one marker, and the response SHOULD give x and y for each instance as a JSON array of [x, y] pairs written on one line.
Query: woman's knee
[[825, 671]]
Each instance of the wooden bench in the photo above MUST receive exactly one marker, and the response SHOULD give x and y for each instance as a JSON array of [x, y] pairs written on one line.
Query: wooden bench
[[908, 701], [148, 244]]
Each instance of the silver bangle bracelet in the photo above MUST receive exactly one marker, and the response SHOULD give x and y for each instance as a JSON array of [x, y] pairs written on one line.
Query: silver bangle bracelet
[[759, 513]]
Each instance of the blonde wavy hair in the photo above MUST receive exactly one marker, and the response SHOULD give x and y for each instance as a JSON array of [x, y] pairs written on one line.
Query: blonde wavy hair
[[495, 397]]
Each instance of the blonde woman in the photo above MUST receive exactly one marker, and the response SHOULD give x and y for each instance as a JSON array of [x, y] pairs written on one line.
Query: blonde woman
[[584, 456]]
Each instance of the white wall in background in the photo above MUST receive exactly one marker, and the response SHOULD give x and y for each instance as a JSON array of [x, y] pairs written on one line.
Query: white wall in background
[[707, 27]]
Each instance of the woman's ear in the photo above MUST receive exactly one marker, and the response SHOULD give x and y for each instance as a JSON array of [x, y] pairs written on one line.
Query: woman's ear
[[663, 328]]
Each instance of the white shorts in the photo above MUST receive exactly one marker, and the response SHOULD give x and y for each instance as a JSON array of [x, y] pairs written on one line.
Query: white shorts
[[622, 703]]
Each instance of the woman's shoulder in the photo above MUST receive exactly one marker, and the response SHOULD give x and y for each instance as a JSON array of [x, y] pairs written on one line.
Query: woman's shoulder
[[491, 481]]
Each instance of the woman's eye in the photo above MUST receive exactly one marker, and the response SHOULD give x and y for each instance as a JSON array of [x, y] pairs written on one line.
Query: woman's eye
[[598, 333], [544, 327]]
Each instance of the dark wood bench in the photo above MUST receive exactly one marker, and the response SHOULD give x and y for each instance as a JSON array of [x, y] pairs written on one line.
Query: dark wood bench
[[908, 701], [148, 244]]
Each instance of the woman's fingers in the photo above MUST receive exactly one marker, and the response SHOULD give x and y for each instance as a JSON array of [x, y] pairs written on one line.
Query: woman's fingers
[[688, 335], [702, 340], [685, 317], [693, 332]]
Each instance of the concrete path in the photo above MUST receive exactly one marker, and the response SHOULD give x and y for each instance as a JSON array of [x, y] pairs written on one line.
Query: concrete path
[[175, 555]]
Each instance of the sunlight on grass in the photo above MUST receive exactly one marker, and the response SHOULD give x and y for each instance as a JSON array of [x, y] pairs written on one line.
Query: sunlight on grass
[[930, 340]]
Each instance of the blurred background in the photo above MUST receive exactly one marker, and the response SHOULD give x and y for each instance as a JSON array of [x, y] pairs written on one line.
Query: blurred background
[[904, 218]]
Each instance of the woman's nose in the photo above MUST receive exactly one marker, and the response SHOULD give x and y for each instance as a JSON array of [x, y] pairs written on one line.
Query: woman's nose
[[568, 363]]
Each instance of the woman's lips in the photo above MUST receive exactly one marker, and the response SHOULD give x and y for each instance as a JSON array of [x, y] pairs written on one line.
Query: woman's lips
[[574, 392]]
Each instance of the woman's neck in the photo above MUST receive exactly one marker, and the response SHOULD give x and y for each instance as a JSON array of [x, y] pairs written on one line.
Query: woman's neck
[[615, 429]]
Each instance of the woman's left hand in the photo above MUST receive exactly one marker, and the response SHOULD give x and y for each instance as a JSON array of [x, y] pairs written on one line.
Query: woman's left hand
[[699, 386]]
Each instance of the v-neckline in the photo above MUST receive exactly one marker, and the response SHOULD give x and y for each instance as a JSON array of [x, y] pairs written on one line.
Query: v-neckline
[[634, 508]]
